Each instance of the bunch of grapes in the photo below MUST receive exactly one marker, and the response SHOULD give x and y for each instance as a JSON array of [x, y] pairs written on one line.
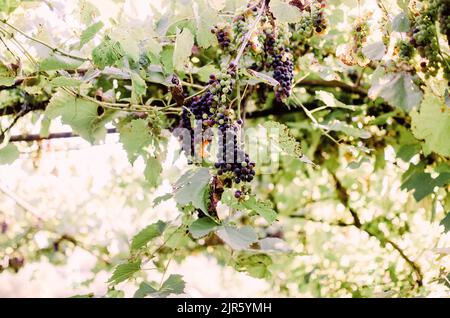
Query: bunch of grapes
[[279, 59], [405, 50], [423, 38], [224, 36], [319, 20], [232, 161], [444, 17]]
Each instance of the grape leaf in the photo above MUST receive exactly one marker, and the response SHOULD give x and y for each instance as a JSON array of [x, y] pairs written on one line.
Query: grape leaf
[[202, 227], [153, 171], [432, 124], [398, 90], [135, 136], [284, 12], [7, 81], [65, 81], [263, 208], [237, 238], [375, 51], [138, 88], [162, 198], [174, 284], [8, 154], [124, 272], [90, 33], [255, 265], [191, 188], [107, 53], [285, 140], [423, 184], [183, 49], [53, 63], [205, 18], [145, 289], [400, 23], [329, 100], [80, 114], [146, 235]]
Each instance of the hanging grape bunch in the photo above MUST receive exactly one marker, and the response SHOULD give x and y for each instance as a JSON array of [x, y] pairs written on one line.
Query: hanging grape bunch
[[224, 36]]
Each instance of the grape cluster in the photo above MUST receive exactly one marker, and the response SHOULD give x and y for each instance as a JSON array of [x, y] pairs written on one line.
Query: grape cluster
[[224, 36], [232, 161], [405, 50], [444, 17], [319, 20], [280, 60]]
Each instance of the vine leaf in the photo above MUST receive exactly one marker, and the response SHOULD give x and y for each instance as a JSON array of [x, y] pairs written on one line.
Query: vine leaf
[[400, 23], [124, 272], [61, 81], [146, 235], [330, 101], [90, 33], [375, 51], [107, 53], [138, 88], [54, 63], [202, 227], [256, 265], [432, 124], [237, 238], [205, 18], [285, 12], [183, 49], [162, 198], [286, 141], [398, 90], [8, 154], [423, 184], [258, 77], [135, 136], [80, 114], [174, 284], [191, 188], [153, 171]]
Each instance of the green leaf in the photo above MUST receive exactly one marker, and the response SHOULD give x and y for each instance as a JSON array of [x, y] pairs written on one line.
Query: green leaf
[[205, 18], [153, 171], [146, 235], [237, 238], [89, 33], [263, 208], [65, 81], [54, 63], [162, 198], [280, 132], [284, 12], [80, 114], [329, 100], [258, 77], [7, 81], [191, 188], [432, 124], [202, 227], [135, 137], [108, 53], [446, 222], [375, 51], [124, 272], [400, 23], [255, 265], [205, 71], [167, 58], [174, 284], [138, 88], [144, 290], [183, 49], [423, 184], [8, 154], [398, 90]]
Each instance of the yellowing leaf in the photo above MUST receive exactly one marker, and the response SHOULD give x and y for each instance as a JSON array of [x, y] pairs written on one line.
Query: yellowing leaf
[[284, 12]]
